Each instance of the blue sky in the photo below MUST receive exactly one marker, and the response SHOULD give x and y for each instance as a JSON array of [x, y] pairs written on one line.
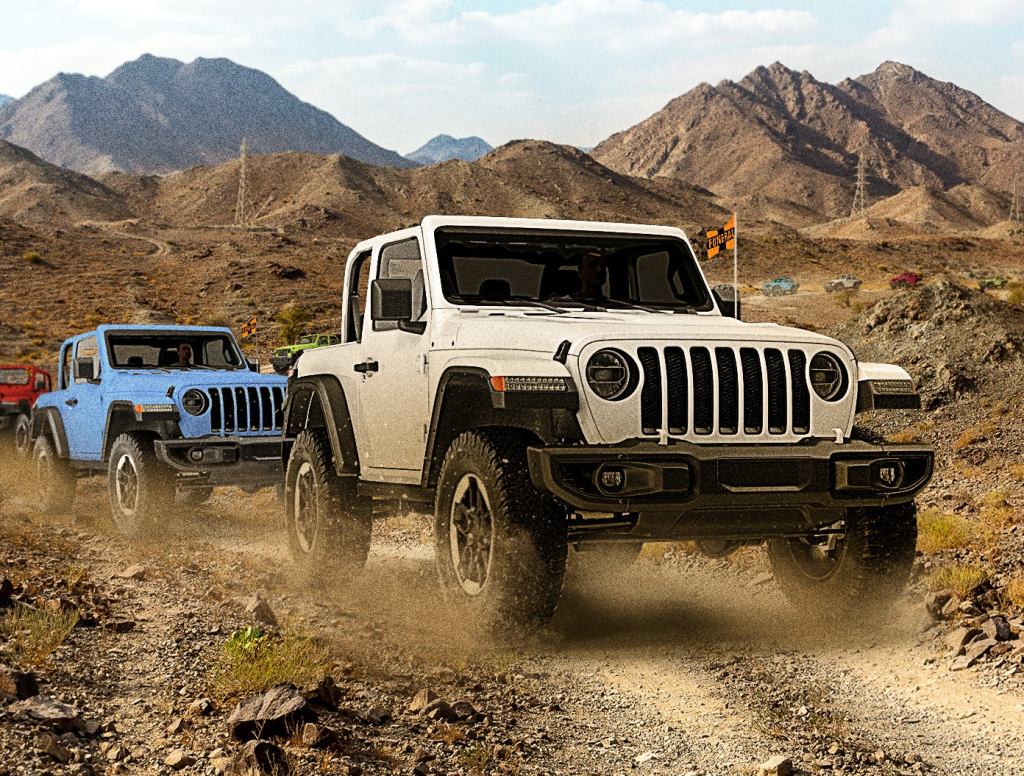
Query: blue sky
[[571, 71]]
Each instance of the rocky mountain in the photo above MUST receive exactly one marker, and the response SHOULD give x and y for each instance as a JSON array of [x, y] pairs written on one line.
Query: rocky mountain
[[795, 140], [343, 197], [444, 148], [34, 191], [156, 115], [4, 98]]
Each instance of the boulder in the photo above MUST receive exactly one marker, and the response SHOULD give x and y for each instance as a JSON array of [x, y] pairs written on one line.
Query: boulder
[[260, 610], [259, 757], [779, 765], [47, 711], [997, 628], [179, 759], [17, 684], [277, 712], [421, 700]]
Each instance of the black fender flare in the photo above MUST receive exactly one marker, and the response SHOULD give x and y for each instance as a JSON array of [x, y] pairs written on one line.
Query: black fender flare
[[47, 420], [464, 400], [121, 419], [318, 401]]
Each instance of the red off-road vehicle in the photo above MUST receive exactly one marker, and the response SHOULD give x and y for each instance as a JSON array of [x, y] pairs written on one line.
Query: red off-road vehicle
[[905, 280], [20, 386]]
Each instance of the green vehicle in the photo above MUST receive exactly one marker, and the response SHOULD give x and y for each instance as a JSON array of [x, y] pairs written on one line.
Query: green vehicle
[[992, 282], [284, 358]]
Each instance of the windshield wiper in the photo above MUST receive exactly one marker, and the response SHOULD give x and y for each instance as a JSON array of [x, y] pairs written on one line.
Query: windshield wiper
[[587, 306], [637, 306]]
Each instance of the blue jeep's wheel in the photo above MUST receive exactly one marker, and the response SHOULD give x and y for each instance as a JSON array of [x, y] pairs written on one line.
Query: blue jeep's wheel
[[139, 486], [22, 436], [55, 479], [328, 524]]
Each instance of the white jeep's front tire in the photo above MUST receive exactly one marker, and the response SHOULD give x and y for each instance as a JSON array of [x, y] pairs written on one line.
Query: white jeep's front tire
[[329, 526], [500, 545]]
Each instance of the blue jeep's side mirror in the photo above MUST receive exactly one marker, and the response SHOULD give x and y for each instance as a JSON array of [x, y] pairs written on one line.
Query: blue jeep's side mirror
[[85, 368], [254, 366]]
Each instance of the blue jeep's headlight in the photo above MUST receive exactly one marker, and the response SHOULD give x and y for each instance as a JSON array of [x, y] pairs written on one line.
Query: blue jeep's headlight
[[195, 402]]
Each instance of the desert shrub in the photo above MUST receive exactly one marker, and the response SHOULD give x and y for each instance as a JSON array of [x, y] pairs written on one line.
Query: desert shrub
[[1013, 593], [292, 320], [32, 257], [252, 661], [845, 296], [34, 634], [941, 531], [1016, 295], [973, 434], [959, 579]]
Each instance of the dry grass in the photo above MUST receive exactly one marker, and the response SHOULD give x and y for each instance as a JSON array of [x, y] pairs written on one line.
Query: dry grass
[[1016, 470], [32, 257], [942, 531], [973, 434], [1016, 294], [913, 434], [34, 634], [252, 661], [959, 579], [1013, 593]]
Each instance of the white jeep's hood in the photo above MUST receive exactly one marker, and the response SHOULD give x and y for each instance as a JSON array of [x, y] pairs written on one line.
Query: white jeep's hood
[[529, 331]]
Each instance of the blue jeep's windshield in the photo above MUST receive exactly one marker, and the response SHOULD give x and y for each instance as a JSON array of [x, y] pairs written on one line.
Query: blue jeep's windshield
[[173, 350]]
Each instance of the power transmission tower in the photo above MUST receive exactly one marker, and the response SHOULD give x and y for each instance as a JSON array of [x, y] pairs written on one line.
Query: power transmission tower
[[1015, 208], [860, 198], [241, 217]]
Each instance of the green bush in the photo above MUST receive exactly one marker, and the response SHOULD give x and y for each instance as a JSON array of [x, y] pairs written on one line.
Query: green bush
[[292, 320]]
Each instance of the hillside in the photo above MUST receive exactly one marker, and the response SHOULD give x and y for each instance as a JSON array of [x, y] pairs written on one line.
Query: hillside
[[4, 98], [445, 148], [158, 115], [346, 197], [796, 140], [34, 191]]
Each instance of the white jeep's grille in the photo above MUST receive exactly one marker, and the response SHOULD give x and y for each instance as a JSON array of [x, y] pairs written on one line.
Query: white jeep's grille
[[724, 391], [245, 409]]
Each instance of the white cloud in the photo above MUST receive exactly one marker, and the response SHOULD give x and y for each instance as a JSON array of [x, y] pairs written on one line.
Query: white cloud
[[911, 20]]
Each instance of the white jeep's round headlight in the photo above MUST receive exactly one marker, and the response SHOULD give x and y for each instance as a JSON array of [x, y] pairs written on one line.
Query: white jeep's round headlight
[[828, 376], [611, 374], [195, 401]]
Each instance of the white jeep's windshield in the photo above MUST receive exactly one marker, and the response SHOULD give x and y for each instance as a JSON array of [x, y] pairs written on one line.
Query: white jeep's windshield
[[569, 270], [13, 377], [173, 350]]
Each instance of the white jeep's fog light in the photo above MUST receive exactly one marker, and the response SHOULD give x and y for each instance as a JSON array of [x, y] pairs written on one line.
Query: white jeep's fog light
[[611, 478], [196, 454], [888, 474]]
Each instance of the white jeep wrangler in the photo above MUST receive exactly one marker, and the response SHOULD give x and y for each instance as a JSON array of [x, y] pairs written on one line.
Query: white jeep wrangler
[[544, 383]]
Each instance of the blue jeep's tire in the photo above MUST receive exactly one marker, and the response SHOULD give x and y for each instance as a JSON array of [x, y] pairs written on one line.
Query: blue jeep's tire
[[139, 486], [55, 479], [22, 431], [329, 525]]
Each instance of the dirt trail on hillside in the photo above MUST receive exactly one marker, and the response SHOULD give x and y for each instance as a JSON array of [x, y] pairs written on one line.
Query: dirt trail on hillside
[[679, 665]]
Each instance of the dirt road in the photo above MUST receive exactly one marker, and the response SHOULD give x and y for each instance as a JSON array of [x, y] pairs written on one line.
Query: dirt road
[[678, 665]]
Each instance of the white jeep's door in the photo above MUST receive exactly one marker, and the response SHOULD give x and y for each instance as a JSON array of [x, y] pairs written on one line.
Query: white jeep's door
[[393, 402]]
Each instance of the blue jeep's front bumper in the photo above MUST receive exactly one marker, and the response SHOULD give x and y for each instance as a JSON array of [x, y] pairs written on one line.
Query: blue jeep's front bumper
[[249, 462]]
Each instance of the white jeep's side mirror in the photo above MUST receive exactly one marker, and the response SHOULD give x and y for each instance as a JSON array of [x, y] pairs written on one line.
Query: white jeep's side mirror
[[391, 299]]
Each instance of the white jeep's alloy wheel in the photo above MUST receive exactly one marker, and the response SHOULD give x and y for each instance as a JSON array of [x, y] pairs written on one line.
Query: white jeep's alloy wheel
[[471, 534], [306, 507]]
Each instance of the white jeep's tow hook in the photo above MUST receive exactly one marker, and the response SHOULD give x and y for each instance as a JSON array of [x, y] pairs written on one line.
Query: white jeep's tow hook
[[840, 436]]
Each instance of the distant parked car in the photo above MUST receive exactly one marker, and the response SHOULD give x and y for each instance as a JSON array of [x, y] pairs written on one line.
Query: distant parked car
[[992, 282], [780, 287], [905, 280], [843, 283], [20, 386]]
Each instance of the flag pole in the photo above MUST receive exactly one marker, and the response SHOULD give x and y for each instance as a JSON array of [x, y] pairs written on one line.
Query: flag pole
[[735, 261]]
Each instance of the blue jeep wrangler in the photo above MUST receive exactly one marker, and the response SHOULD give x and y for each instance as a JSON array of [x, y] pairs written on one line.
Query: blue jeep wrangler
[[162, 410]]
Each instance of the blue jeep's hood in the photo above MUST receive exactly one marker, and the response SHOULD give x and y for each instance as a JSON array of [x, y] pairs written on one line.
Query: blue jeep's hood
[[199, 378]]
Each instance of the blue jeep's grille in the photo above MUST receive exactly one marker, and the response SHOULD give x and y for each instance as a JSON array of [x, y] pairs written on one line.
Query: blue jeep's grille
[[245, 409]]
